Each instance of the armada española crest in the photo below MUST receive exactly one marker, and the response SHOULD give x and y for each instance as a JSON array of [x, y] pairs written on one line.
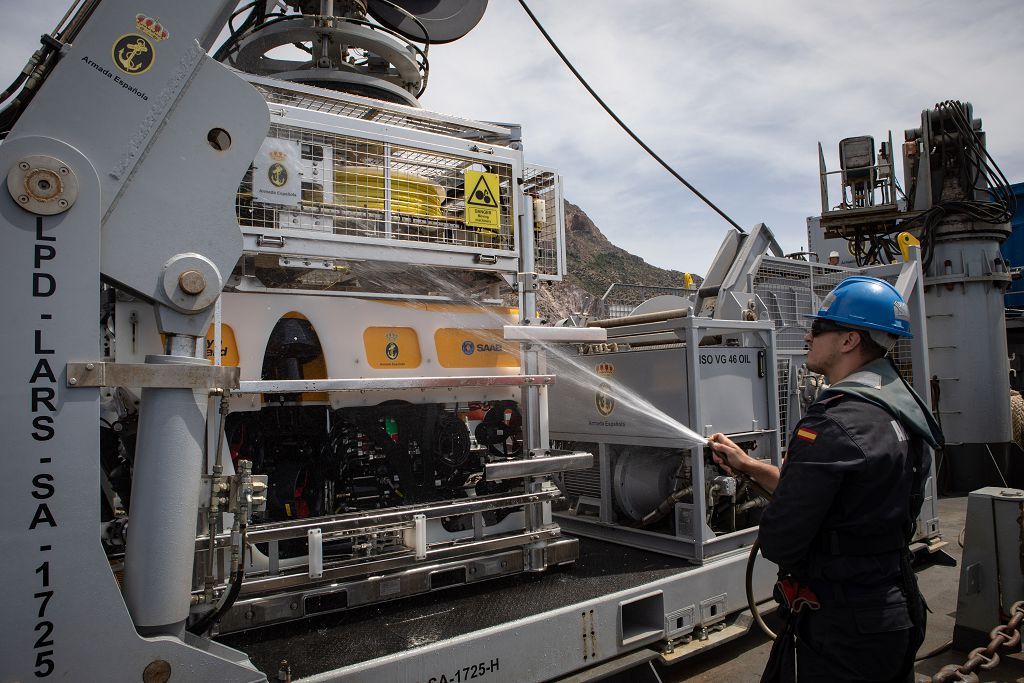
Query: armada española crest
[[604, 401], [133, 53], [391, 350], [277, 174]]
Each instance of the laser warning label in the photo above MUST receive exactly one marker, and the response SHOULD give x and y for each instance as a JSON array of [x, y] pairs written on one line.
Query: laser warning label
[[483, 202]]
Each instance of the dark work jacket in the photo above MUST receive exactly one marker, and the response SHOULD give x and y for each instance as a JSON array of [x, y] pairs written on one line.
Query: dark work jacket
[[848, 471]]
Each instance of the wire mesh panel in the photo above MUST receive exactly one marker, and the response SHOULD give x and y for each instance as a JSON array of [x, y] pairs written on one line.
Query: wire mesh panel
[[544, 188], [358, 187], [782, 366], [902, 352], [790, 290], [376, 111], [620, 299]]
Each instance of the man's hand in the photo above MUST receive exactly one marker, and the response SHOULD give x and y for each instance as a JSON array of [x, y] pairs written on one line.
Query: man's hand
[[733, 459], [728, 455]]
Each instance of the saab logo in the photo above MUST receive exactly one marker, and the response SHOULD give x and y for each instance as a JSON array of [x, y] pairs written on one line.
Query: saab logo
[[603, 400], [468, 348], [827, 303], [496, 348], [900, 310]]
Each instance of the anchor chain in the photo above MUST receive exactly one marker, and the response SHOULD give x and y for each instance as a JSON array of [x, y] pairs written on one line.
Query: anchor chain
[[1004, 635]]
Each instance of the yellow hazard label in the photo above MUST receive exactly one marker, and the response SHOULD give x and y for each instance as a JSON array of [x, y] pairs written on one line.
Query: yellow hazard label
[[483, 202]]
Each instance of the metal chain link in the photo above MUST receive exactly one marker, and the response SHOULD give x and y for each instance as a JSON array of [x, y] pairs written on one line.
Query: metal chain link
[[1004, 635]]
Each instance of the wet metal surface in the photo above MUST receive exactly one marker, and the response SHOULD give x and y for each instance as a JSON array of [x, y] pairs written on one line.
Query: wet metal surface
[[331, 641]]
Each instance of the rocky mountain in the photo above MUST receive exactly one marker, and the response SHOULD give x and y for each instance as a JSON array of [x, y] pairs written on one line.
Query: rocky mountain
[[594, 264]]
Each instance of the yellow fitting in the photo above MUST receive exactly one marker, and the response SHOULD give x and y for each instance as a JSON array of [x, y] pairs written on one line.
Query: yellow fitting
[[906, 241]]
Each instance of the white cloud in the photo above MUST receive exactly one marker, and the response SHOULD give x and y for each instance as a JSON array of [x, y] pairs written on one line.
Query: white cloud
[[734, 94]]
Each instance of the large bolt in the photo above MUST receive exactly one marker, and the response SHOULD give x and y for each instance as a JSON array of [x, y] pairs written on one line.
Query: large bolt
[[192, 282], [157, 671], [43, 185]]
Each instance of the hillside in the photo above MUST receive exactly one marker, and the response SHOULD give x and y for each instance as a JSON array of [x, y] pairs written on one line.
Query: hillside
[[594, 264]]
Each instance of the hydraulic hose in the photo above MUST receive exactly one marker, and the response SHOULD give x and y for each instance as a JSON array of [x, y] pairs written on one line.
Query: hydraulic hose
[[751, 559], [201, 627], [211, 618], [751, 603]]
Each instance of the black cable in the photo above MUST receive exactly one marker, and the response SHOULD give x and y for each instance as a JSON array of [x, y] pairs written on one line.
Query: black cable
[[608, 110], [749, 583], [963, 151], [201, 627], [13, 87], [936, 652], [213, 617], [37, 67]]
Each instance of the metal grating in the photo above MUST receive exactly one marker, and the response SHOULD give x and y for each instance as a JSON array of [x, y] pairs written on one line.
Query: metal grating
[[367, 188], [544, 188], [621, 299], [586, 483], [790, 289], [313, 99], [901, 356], [782, 366]]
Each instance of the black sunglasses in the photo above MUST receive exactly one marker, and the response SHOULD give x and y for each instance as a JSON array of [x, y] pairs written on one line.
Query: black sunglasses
[[820, 326]]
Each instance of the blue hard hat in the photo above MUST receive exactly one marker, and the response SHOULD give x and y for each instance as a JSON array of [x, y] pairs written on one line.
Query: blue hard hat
[[866, 303]]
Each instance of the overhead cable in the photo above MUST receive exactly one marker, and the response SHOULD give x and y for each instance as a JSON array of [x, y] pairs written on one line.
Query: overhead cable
[[622, 124]]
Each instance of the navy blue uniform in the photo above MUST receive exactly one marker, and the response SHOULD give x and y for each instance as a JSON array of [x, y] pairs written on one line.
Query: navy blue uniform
[[838, 522]]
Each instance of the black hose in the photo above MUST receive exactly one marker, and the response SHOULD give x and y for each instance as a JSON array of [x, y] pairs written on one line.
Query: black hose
[[751, 603], [201, 627], [213, 617], [936, 652]]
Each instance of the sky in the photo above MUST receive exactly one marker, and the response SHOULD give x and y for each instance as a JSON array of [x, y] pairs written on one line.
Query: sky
[[734, 94]]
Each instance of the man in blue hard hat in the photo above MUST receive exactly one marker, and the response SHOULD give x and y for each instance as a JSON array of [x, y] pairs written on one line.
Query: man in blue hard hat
[[846, 500]]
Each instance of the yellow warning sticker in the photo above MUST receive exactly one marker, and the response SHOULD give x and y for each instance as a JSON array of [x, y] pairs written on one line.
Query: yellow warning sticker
[[483, 202]]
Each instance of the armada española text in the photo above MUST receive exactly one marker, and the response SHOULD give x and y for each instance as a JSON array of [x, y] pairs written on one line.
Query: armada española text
[[116, 79]]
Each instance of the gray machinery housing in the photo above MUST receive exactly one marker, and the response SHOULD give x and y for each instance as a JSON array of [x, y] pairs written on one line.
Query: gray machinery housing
[[957, 202], [991, 575], [738, 367], [654, 486], [129, 208]]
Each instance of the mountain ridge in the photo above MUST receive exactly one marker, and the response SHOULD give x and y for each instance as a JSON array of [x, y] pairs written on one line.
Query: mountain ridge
[[593, 264]]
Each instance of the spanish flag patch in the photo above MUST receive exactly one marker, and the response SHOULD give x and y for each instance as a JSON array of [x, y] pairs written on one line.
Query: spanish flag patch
[[806, 434]]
